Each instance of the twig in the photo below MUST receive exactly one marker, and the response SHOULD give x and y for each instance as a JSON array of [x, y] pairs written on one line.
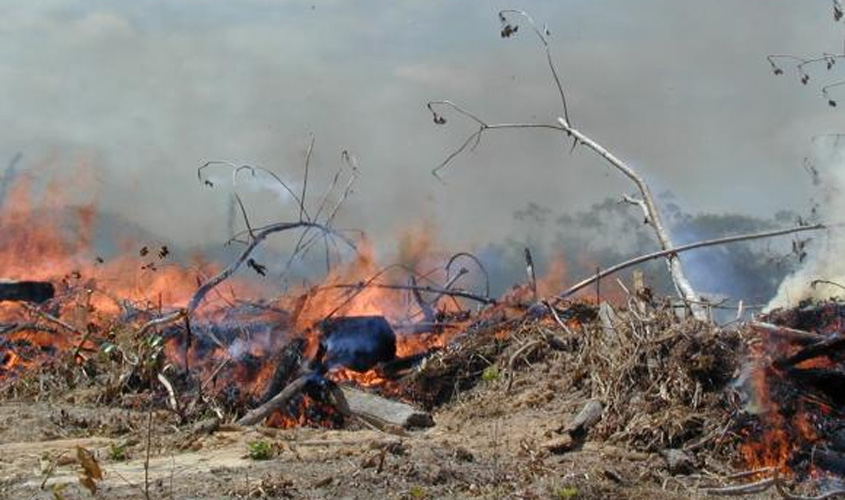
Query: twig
[[815, 283], [164, 320], [200, 294], [237, 169], [683, 248], [53, 319], [308, 154], [171, 394], [478, 263], [742, 489], [422, 288]]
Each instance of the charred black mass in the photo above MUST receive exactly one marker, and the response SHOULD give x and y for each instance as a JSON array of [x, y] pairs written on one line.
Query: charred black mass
[[356, 342]]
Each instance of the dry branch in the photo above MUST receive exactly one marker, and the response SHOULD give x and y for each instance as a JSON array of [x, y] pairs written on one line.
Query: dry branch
[[292, 390], [423, 288], [683, 248], [259, 236]]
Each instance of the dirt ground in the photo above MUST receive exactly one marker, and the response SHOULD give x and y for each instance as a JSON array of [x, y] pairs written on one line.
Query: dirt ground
[[487, 443]]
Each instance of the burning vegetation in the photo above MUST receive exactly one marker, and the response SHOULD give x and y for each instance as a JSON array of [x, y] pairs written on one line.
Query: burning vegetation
[[456, 392]]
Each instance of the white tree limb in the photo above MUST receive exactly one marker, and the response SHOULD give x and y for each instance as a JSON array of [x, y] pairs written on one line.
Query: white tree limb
[[652, 214]]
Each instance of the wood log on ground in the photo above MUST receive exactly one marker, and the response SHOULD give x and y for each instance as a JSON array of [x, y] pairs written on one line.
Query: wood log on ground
[[26, 291], [377, 410], [576, 429]]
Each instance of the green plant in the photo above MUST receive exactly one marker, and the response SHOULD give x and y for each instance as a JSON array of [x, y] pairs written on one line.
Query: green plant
[[490, 373], [117, 452], [417, 492], [260, 450], [566, 492]]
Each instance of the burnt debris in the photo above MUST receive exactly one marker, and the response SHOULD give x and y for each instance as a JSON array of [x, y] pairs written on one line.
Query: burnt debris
[[355, 342], [26, 291]]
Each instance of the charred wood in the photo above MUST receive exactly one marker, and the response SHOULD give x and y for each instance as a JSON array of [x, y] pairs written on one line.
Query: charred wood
[[829, 382], [828, 348], [288, 362], [356, 342], [26, 291], [292, 390]]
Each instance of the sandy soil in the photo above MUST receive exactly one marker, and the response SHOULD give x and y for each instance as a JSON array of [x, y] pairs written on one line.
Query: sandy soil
[[486, 444]]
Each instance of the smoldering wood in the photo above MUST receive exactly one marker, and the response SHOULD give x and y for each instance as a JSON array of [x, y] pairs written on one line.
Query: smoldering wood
[[788, 334], [356, 342], [829, 382], [378, 410], [36, 292], [293, 389], [830, 460], [828, 348], [288, 362]]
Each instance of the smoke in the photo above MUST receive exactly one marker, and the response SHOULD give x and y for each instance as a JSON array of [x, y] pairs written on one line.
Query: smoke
[[823, 272]]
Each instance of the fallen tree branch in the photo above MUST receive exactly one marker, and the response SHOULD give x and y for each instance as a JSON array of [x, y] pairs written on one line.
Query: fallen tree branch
[[256, 415], [742, 489], [791, 334], [683, 248]]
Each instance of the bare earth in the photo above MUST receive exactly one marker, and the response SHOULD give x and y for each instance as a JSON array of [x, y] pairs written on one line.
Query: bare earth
[[486, 444]]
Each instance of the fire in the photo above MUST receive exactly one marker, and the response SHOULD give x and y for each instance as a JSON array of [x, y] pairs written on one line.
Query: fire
[[789, 417], [52, 238]]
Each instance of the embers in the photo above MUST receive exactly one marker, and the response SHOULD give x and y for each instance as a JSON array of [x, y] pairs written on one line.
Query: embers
[[797, 382]]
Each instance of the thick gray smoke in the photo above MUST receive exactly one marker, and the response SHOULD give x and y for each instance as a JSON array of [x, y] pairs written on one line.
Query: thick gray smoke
[[823, 274], [145, 92]]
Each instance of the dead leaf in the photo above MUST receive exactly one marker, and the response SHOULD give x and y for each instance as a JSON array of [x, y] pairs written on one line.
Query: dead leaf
[[89, 463], [88, 483]]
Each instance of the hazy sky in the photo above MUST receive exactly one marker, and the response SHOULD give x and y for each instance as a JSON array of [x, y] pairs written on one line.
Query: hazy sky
[[143, 92]]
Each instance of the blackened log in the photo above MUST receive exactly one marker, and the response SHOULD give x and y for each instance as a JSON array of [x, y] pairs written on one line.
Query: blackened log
[[827, 348], [827, 381], [288, 362], [356, 342], [26, 291]]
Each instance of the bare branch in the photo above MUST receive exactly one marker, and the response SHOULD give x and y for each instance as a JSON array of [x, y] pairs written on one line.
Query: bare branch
[[542, 36], [652, 214], [305, 177], [236, 169], [478, 263], [200, 294], [421, 288], [683, 248]]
